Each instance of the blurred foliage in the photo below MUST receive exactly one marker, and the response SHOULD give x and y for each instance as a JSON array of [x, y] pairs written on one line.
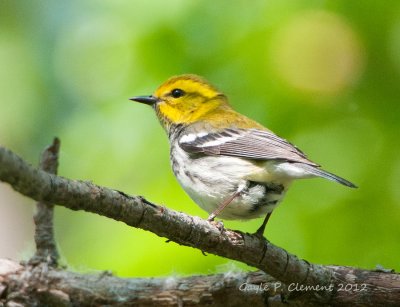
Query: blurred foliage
[[323, 74]]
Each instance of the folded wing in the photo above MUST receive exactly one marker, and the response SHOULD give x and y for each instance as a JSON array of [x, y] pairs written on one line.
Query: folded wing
[[250, 143], [256, 145]]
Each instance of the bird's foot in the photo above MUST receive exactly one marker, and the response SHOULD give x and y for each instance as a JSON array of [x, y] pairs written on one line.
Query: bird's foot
[[260, 233], [211, 217], [218, 224]]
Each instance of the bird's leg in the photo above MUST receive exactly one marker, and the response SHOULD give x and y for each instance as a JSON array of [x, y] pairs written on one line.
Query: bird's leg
[[260, 231], [226, 202], [222, 206]]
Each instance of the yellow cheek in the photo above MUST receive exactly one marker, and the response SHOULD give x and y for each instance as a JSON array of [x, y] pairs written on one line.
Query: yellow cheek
[[186, 111], [171, 113]]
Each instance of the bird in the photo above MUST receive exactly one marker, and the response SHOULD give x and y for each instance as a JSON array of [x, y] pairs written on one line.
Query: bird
[[230, 165]]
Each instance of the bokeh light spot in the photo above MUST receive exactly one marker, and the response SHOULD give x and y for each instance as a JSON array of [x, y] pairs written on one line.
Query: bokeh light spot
[[317, 52]]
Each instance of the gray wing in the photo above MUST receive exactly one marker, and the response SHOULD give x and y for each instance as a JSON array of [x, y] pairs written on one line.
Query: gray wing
[[250, 144]]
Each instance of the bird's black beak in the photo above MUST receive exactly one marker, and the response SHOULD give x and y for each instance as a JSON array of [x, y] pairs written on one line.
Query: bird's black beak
[[150, 100]]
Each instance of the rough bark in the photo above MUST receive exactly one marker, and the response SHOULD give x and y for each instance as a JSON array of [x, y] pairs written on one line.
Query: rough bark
[[311, 283], [47, 286], [46, 248]]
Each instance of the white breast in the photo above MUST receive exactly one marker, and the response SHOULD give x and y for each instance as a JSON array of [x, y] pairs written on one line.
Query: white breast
[[209, 180]]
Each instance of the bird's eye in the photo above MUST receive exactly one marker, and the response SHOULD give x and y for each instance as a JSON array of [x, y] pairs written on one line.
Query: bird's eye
[[176, 93]]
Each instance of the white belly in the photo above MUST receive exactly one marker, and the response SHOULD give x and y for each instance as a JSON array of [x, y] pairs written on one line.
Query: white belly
[[209, 180]]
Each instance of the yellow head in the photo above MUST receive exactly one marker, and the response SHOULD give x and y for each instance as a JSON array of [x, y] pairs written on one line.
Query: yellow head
[[183, 100]]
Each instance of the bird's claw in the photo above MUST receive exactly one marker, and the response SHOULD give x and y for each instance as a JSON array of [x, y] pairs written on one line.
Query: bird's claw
[[218, 224]]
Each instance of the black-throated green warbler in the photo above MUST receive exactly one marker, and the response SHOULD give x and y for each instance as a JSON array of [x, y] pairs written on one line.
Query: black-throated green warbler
[[230, 165]]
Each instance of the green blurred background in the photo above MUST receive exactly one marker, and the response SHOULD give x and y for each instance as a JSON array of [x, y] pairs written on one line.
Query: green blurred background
[[323, 74]]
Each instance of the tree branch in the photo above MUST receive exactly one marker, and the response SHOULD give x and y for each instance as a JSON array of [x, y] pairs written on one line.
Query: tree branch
[[36, 286], [325, 281], [46, 249]]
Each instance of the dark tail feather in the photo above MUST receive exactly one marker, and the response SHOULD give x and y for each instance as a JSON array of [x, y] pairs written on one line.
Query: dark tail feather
[[324, 174]]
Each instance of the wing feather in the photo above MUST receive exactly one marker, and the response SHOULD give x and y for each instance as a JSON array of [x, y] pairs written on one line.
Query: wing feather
[[250, 144]]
